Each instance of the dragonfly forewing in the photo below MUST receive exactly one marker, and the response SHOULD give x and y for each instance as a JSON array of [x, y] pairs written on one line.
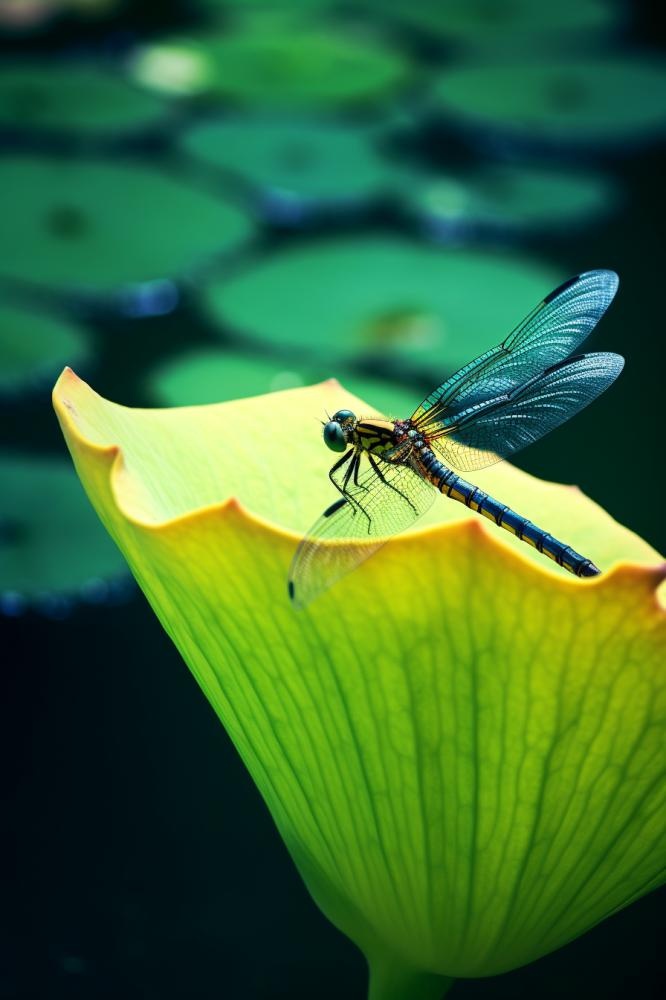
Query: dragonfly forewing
[[379, 501]]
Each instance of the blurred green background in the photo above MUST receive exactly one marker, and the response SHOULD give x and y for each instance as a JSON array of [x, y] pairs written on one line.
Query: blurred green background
[[204, 199]]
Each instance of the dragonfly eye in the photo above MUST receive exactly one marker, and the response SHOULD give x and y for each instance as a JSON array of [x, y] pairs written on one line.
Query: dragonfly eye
[[343, 416], [334, 436]]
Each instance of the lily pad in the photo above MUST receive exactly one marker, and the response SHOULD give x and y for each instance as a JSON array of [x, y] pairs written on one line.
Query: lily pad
[[73, 98], [389, 298], [34, 345], [502, 24], [461, 747], [509, 198], [579, 100], [295, 166], [52, 551], [211, 376], [95, 226], [259, 8], [294, 69]]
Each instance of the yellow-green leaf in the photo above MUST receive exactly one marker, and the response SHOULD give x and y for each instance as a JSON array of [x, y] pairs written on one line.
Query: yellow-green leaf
[[461, 746]]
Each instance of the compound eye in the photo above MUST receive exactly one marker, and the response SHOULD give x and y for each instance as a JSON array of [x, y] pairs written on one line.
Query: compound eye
[[342, 415], [334, 436]]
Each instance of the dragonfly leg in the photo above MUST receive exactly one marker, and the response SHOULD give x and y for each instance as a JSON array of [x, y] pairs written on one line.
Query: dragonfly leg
[[357, 466], [342, 483], [336, 468], [376, 466]]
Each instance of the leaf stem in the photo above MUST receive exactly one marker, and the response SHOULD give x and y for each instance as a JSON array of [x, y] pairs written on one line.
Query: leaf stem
[[390, 979]]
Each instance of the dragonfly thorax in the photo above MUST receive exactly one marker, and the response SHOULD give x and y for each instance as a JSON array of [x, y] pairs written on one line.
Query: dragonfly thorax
[[375, 436]]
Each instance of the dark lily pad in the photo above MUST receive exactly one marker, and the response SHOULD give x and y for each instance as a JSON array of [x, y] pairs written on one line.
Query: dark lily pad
[[73, 98], [388, 298], [211, 376], [295, 166], [261, 8], [500, 198], [301, 69], [34, 346], [501, 24], [94, 226], [588, 101], [53, 549]]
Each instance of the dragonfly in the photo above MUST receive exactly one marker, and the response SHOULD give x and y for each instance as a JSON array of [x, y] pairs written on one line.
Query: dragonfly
[[391, 470]]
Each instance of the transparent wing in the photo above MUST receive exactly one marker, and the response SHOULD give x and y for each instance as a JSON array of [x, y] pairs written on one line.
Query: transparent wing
[[483, 433], [551, 333], [379, 500]]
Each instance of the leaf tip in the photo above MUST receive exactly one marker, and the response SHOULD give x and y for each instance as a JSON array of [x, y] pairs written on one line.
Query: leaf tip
[[234, 506], [61, 401], [656, 576], [639, 582]]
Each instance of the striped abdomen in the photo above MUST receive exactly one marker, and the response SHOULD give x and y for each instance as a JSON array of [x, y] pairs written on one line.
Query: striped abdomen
[[452, 485]]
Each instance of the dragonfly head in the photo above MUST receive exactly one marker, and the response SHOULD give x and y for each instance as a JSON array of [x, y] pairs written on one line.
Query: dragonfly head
[[339, 430]]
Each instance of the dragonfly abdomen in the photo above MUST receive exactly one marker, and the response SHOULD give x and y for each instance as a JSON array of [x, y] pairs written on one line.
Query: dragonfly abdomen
[[454, 486]]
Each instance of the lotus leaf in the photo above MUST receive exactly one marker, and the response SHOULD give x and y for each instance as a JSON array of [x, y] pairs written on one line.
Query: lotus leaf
[[393, 299], [93, 226], [462, 749], [587, 101], [34, 344], [52, 551], [74, 98], [275, 69]]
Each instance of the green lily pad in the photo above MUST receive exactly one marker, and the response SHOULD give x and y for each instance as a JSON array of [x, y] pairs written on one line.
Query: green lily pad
[[73, 98], [52, 551], [211, 376], [242, 5], [260, 8], [501, 23], [461, 747], [389, 298], [587, 101], [301, 69], [509, 197], [295, 164], [34, 345], [95, 226]]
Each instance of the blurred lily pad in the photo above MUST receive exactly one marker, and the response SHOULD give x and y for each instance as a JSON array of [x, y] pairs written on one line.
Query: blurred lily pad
[[501, 23], [71, 98], [34, 346], [95, 226], [503, 198], [388, 298], [212, 376], [295, 166], [301, 69], [582, 100], [261, 8], [53, 550]]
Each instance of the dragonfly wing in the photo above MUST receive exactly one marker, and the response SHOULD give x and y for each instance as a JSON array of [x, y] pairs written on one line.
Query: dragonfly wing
[[378, 501], [484, 433], [548, 335]]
